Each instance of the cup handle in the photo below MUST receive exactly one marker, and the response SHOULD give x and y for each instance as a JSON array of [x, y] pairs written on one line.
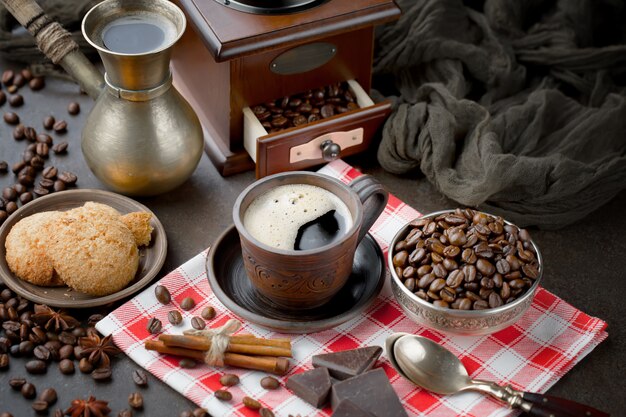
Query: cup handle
[[374, 198]]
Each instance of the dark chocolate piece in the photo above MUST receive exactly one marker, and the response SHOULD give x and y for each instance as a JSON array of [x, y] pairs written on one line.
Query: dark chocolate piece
[[347, 408], [348, 363], [372, 392], [312, 386]]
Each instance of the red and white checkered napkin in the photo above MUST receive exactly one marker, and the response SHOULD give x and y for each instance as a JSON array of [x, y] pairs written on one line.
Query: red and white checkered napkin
[[531, 355]]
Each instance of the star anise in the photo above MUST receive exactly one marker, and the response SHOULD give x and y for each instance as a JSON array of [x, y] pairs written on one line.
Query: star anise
[[88, 408], [53, 320], [99, 349]]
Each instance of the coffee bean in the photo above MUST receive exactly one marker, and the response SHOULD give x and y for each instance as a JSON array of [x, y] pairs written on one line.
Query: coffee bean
[[26, 347], [154, 325], [39, 406], [48, 122], [187, 363], [16, 101], [187, 304], [3, 98], [73, 108], [60, 126], [140, 378], [4, 167], [66, 366], [4, 361], [42, 353], [11, 118], [223, 395], [49, 395], [200, 412], [229, 380], [67, 338], [162, 294], [36, 367], [208, 313], [197, 323], [269, 382], [49, 172], [66, 352], [16, 383], [44, 138], [85, 366], [174, 317], [101, 374], [37, 83], [9, 194], [28, 391], [67, 177], [26, 197], [251, 403], [19, 80], [7, 77], [125, 413], [266, 412], [59, 186], [135, 400]]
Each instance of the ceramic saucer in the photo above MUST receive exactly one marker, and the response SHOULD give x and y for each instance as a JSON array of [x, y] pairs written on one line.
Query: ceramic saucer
[[230, 284]]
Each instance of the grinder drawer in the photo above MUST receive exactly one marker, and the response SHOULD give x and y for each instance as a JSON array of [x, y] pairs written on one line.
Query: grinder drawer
[[317, 142]]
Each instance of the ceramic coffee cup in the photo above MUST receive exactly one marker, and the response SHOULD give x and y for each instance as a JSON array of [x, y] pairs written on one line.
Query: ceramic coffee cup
[[308, 278]]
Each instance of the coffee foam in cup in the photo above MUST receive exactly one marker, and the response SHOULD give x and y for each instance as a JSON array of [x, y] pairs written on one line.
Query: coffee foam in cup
[[275, 216]]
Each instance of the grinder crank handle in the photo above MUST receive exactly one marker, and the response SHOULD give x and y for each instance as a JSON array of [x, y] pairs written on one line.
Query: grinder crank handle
[[57, 44], [549, 406]]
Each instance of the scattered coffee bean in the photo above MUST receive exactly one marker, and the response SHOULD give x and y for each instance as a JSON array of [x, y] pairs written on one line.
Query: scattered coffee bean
[[140, 378], [60, 148], [223, 395], [67, 177], [59, 186], [175, 317], [11, 118], [162, 294], [28, 391], [269, 382], [49, 395], [187, 304], [73, 108], [251, 403], [30, 134], [3, 98], [85, 366], [11, 207], [4, 361], [7, 77], [154, 325], [43, 138], [36, 367], [101, 374], [4, 167], [60, 126], [66, 366], [16, 100], [39, 406], [197, 323], [48, 122], [187, 363], [37, 83], [125, 413], [229, 380], [42, 353], [208, 313], [135, 400], [200, 412], [16, 383], [266, 412], [27, 74], [19, 80], [12, 89], [186, 413], [26, 197], [9, 194]]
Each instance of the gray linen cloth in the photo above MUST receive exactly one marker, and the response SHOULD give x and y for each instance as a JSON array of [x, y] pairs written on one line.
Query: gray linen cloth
[[514, 106]]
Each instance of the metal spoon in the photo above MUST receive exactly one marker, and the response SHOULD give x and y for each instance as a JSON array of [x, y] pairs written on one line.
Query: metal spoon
[[433, 367]]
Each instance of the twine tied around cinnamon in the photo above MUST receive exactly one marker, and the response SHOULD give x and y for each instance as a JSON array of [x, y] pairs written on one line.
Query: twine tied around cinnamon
[[219, 338]]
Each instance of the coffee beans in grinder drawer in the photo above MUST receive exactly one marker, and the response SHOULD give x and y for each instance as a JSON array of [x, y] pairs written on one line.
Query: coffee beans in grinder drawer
[[466, 260], [304, 108]]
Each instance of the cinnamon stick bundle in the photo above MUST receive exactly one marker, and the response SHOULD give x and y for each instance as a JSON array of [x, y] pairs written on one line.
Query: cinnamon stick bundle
[[273, 365], [247, 345]]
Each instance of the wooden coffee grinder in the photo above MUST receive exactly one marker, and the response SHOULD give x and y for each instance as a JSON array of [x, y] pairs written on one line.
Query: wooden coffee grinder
[[236, 54]]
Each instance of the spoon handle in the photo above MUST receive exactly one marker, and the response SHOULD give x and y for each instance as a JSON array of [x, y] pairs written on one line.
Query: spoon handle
[[549, 406]]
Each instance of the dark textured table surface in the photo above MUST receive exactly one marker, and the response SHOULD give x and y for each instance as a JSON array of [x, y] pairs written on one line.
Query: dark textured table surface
[[583, 264]]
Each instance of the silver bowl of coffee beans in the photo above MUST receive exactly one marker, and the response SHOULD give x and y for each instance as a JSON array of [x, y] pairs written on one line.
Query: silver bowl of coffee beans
[[464, 271]]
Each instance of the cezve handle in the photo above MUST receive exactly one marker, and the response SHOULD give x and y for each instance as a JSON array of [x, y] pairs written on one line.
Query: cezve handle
[[56, 43], [549, 406]]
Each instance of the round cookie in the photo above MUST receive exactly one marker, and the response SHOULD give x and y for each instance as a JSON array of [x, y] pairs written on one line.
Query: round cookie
[[92, 250], [25, 255]]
